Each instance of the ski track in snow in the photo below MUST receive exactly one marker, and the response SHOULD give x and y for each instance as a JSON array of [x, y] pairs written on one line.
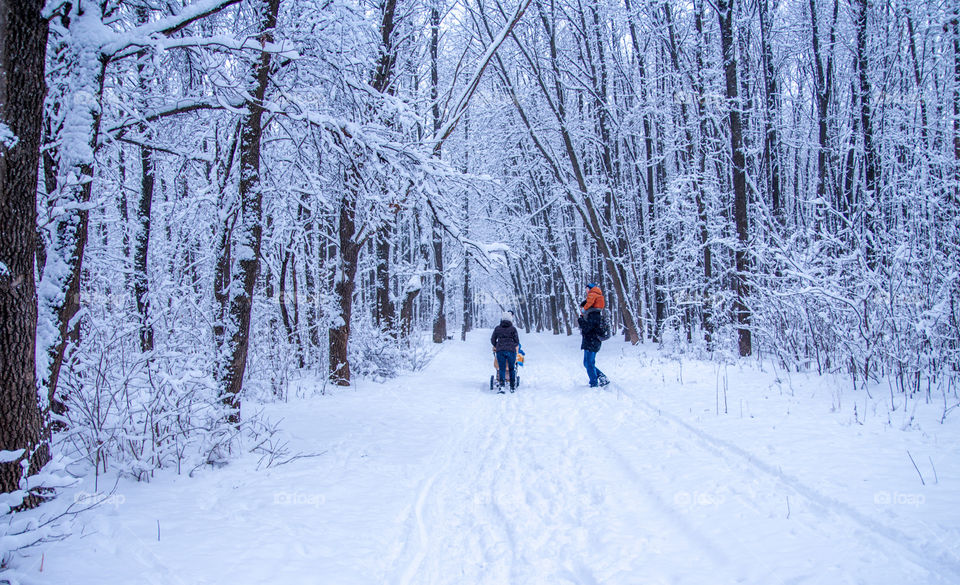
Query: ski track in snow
[[432, 479]]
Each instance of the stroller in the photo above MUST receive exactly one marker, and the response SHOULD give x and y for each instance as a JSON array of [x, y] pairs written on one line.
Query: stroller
[[521, 355]]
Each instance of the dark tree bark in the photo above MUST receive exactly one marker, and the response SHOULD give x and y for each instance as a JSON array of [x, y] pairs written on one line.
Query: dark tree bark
[[141, 288], [870, 156], [385, 316], [250, 228], [349, 249], [439, 286], [439, 277], [349, 253], [771, 143], [141, 284], [382, 82], [23, 41], [291, 324], [955, 30], [824, 91], [467, 324], [725, 13]]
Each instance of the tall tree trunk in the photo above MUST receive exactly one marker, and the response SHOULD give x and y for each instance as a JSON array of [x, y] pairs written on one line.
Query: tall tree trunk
[[439, 276], [382, 82], [69, 237], [141, 286], [349, 254], [725, 13], [23, 432], [349, 249], [823, 89], [467, 325], [955, 30], [385, 316], [439, 286], [250, 228], [141, 289], [771, 143], [870, 156], [79, 94]]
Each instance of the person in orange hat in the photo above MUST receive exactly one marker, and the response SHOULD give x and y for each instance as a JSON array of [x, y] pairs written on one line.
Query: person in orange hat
[[590, 327], [594, 298]]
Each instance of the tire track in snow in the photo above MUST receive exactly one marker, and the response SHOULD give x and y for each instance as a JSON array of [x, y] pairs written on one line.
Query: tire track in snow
[[878, 531], [419, 524], [750, 467], [422, 533], [558, 375]]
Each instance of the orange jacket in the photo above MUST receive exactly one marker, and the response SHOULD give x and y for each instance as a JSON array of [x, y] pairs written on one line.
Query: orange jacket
[[594, 299]]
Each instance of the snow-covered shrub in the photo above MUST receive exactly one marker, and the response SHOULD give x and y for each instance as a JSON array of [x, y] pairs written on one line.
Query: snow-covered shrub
[[21, 531], [136, 412]]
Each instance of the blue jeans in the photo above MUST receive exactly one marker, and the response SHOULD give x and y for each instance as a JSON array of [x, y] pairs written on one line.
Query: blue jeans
[[590, 363], [507, 359]]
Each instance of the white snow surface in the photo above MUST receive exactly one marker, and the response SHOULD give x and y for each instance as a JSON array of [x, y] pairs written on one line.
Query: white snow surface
[[432, 479], [7, 138]]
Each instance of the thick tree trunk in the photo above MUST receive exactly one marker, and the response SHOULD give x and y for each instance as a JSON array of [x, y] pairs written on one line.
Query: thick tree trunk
[[250, 228], [23, 432], [339, 334], [725, 13]]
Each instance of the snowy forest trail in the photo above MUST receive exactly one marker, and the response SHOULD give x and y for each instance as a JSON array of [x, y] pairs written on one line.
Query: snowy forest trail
[[433, 479]]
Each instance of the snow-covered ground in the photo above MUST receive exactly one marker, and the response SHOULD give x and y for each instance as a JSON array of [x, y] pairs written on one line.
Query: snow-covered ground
[[431, 479]]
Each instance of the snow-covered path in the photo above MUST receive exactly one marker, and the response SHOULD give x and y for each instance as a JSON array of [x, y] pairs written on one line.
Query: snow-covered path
[[431, 479]]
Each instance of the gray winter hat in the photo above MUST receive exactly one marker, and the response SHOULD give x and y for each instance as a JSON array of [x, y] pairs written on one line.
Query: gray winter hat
[[506, 317]]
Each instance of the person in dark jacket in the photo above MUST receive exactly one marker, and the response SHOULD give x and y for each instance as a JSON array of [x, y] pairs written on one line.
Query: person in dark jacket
[[506, 341], [590, 327]]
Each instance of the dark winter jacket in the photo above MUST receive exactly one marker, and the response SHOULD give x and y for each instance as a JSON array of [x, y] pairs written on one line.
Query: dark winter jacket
[[590, 328], [505, 337]]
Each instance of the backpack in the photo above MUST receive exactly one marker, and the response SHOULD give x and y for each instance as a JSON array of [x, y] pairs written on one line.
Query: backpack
[[606, 332]]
